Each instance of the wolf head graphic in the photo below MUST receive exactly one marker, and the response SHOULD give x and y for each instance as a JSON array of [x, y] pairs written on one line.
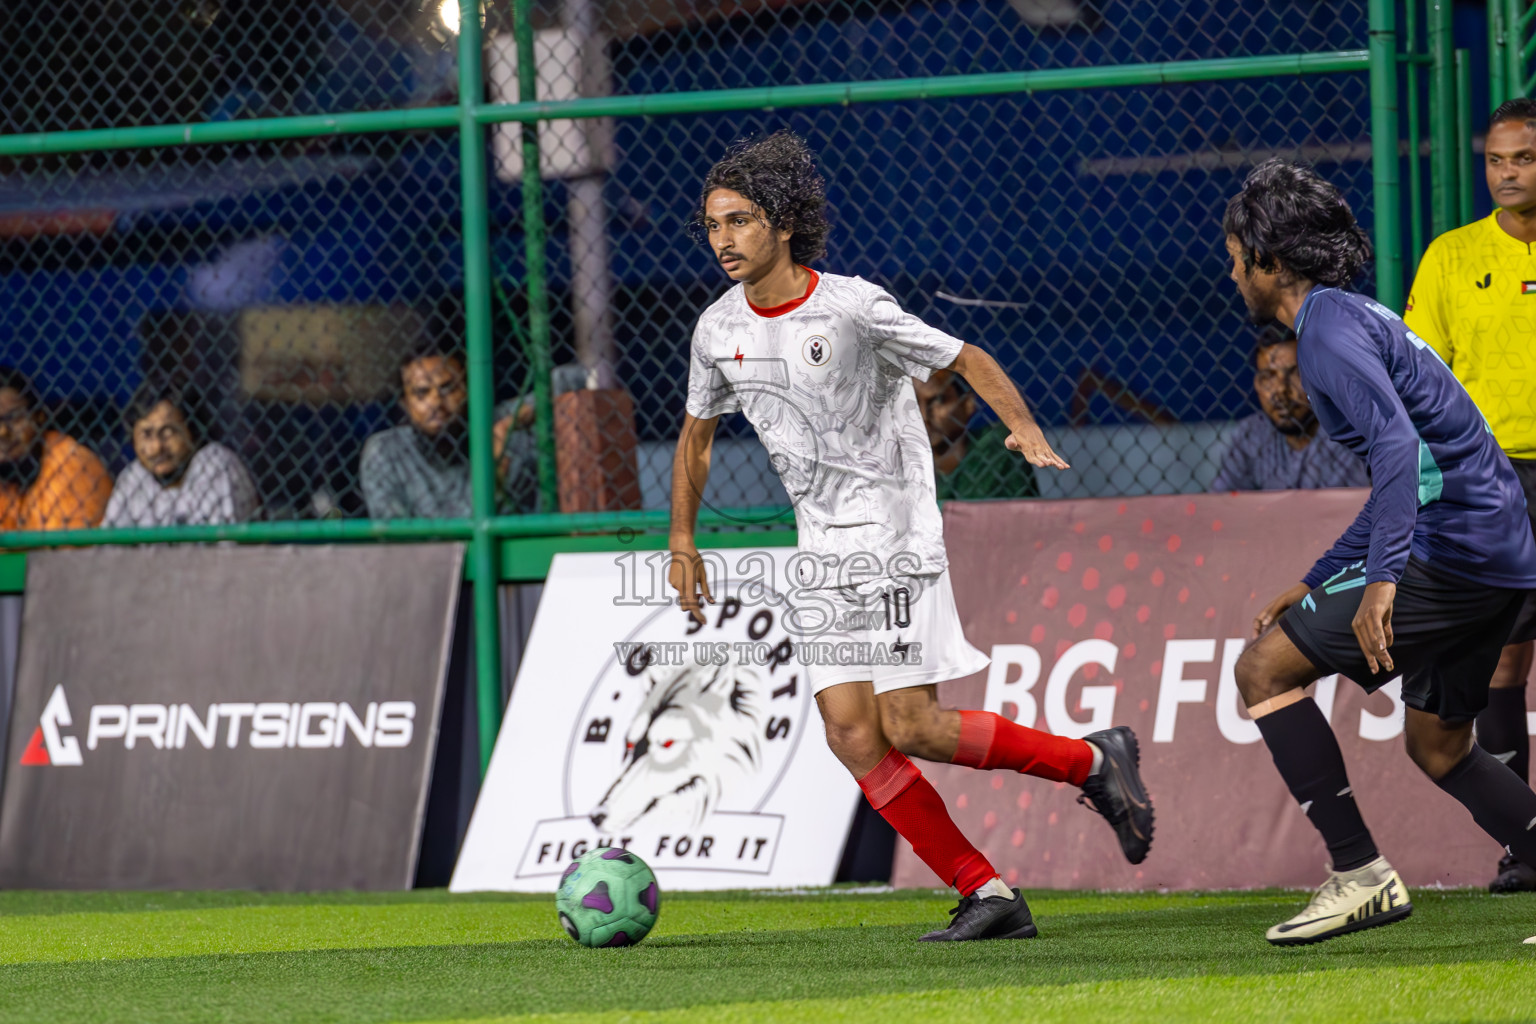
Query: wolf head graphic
[[695, 733]]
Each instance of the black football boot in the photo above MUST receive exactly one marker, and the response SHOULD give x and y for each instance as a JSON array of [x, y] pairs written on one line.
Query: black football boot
[[987, 917], [1116, 791]]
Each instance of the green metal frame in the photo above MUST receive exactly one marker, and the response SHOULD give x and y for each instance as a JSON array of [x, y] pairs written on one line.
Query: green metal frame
[[773, 97], [1452, 178], [1386, 187], [520, 547], [1411, 62], [1511, 50], [534, 244], [1466, 176], [1442, 118], [477, 345]]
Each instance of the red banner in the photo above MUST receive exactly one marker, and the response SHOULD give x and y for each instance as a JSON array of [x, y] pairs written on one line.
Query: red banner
[[1133, 612]]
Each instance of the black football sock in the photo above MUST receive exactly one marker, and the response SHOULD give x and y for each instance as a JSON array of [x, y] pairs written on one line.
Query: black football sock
[[1500, 801], [1310, 762], [1502, 730]]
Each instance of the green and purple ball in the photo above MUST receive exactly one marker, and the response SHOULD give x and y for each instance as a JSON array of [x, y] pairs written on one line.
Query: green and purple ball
[[608, 897]]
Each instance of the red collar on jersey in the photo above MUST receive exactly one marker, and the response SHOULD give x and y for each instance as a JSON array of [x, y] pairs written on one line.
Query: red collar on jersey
[[792, 304]]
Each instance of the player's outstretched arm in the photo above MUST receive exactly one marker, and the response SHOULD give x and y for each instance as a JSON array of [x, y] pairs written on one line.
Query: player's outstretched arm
[[983, 374], [690, 471]]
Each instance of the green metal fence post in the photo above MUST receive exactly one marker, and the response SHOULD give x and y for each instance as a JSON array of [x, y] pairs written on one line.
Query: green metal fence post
[[1410, 60], [534, 242], [1515, 24], [1511, 52], [477, 330], [1465, 173], [1498, 89], [1385, 192], [1443, 185], [1522, 49]]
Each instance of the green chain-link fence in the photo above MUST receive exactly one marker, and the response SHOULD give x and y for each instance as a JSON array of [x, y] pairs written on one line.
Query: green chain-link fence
[[268, 204], [1074, 234]]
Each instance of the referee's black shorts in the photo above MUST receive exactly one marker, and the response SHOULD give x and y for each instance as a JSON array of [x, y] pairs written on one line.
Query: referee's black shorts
[[1525, 623], [1447, 636]]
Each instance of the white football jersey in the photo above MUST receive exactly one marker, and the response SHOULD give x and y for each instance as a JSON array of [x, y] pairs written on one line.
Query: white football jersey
[[827, 387]]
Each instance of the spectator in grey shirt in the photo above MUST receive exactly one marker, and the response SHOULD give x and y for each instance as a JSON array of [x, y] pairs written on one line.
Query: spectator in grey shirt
[[421, 470], [176, 479], [1281, 447]]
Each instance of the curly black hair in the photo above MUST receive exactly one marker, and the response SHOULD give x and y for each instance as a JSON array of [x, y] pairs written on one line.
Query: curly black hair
[[1520, 108], [1287, 218], [777, 173]]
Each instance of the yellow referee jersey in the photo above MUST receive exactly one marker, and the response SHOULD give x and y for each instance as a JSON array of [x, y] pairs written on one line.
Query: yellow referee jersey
[[1474, 301]]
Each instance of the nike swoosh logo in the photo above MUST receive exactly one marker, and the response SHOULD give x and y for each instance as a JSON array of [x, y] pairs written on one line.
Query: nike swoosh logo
[[1346, 791], [1306, 808], [1130, 799], [1315, 920], [1531, 825], [1506, 757]]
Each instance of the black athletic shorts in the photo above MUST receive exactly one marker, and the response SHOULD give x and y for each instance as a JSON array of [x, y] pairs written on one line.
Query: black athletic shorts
[[1525, 624], [1447, 634]]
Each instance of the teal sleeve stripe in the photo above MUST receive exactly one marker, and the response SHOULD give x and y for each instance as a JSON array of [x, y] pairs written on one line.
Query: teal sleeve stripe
[[1431, 483]]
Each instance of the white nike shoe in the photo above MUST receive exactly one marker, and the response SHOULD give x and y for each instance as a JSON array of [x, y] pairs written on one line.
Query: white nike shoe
[[1349, 901]]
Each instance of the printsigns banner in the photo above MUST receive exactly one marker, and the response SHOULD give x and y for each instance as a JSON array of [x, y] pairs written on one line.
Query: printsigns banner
[[1133, 612], [698, 747], [223, 718]]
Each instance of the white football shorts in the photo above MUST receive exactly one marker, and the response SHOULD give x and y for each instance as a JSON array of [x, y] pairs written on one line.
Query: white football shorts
[[894, 632]]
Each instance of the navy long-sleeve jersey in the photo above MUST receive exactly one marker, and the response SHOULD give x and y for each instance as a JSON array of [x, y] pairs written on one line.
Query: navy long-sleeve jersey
[[1441, 489]]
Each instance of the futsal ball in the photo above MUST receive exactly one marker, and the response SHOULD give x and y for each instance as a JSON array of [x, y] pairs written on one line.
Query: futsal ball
[[608, 897]]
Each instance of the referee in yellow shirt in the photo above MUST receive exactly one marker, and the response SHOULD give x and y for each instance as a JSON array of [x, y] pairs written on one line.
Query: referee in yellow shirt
[[1474, 301]]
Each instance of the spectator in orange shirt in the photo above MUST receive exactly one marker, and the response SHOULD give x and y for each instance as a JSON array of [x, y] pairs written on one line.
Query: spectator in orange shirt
[[48, 481]]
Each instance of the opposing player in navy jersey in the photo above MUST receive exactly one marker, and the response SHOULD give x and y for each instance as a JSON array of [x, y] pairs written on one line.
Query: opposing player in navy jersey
[[1427, 582]]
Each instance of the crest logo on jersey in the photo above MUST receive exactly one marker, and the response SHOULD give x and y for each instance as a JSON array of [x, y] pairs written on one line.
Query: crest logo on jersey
[[1485, 282], [816, 350]]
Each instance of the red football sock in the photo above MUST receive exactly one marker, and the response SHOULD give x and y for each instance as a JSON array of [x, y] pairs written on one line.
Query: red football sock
[[991, 741], [896, 789]]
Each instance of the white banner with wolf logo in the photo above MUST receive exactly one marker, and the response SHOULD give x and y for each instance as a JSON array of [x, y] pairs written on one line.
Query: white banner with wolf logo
[[697, 747]]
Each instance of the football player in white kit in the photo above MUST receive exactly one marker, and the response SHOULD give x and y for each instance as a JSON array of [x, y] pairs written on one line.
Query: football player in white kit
[[821, 366]]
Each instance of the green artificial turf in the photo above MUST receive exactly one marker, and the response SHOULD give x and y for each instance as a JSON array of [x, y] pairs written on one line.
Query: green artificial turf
[[824, 956]]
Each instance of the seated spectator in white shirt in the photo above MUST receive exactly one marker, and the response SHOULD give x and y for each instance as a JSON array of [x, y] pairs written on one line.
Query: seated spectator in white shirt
[[176, 479]]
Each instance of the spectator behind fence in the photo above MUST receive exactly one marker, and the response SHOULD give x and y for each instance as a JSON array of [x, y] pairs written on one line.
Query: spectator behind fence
[[421, 470], [177, 478], [48, 480], [1281, 447], [968, 464]]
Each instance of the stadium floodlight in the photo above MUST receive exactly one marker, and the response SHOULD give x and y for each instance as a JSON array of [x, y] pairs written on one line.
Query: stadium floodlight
[[448, 16]]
